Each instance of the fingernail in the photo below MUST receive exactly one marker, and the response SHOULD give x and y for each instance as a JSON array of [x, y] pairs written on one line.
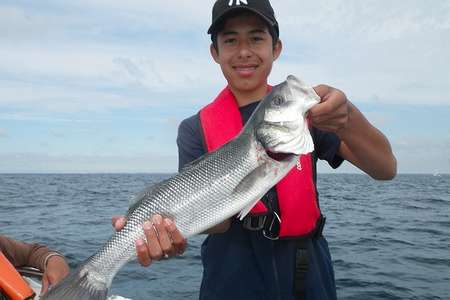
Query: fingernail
[[157, 219], [168, 222], [139, 242], [147, 225]]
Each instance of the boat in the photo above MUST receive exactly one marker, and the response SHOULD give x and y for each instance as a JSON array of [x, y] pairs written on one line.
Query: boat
[[33, 278]]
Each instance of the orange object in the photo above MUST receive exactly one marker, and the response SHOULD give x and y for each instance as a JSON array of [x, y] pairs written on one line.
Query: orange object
[[11, 283]]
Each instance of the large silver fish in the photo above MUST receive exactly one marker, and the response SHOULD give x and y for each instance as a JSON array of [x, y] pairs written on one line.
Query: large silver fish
[[210, 190]]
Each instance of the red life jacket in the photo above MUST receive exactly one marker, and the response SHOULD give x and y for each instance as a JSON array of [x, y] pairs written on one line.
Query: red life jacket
[[297, 200]]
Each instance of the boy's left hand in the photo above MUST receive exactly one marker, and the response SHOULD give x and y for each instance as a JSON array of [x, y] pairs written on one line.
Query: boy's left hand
[[331, 114]]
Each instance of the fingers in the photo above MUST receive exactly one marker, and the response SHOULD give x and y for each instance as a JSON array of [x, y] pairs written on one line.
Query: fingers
[[154, 248], [163, 239], [322, 90], [45, 285], [178, 241], [118, 222], [331, 114], [142, 253]]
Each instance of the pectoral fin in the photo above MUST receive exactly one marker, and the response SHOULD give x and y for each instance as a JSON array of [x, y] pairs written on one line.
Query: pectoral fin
[[248, 185], [247, 209]]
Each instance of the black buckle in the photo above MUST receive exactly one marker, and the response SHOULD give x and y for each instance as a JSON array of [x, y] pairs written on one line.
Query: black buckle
[[272, 226], [254, 223]]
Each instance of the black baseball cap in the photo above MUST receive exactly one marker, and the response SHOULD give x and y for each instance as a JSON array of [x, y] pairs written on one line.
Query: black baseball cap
[[260, 7]]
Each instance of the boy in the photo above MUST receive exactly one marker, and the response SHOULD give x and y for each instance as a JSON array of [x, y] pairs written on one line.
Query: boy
[[246, 260]]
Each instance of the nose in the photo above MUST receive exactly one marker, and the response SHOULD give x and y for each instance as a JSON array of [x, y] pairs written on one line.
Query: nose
[[245, 50]]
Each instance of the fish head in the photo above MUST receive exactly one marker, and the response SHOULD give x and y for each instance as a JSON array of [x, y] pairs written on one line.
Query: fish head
[[282, 126]]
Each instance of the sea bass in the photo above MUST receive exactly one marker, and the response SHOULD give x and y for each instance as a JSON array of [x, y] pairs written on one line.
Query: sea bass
[[217, 186]]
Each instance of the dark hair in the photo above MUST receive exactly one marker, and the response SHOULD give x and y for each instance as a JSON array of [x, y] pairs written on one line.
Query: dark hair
[[221, 25]]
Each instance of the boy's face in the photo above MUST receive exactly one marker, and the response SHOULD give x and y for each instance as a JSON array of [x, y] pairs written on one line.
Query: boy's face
[[245, 52]]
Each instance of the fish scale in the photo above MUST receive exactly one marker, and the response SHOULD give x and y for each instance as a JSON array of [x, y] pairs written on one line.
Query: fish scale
[[210, 190]]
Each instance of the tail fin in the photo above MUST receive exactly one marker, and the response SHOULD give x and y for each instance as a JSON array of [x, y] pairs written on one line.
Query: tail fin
[[80, 284]]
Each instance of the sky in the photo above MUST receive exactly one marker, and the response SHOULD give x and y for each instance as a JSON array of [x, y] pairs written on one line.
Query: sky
[[101, 85]]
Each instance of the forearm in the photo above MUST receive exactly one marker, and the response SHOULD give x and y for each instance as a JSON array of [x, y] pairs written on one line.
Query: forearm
[[366, 147], [24, 254]]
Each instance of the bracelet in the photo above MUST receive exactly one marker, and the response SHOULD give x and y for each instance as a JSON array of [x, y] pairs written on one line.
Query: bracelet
[[50, 255]]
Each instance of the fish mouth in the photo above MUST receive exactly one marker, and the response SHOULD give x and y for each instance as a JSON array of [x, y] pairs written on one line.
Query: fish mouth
[[279, 156], [281, 123]]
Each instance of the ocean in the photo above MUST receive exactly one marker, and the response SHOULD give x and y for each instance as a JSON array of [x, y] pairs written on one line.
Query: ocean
[[388, 240]]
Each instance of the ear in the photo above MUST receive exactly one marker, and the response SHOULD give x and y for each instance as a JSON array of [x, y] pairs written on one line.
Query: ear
[[277, 49], [214, 53]]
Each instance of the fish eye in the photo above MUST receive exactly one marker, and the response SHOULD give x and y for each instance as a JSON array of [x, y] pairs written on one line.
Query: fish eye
[[278, 100]]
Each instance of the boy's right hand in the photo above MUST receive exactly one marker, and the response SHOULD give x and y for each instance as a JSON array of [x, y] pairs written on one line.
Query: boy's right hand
[[163, 239]]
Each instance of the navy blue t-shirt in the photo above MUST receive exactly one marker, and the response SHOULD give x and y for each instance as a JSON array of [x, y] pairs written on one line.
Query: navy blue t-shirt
[[243, 264]]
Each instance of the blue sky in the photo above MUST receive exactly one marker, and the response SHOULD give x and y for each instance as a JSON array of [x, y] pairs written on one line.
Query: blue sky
[[101, 85]]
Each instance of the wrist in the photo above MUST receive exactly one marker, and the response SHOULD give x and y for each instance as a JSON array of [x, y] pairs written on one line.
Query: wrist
[[50, 256]]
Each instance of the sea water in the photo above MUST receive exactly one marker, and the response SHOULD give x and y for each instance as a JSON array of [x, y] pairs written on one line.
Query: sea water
[[388, 240]]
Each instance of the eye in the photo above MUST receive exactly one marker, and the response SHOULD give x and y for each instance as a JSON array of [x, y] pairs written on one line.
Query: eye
[[278, 101], [230, 41]]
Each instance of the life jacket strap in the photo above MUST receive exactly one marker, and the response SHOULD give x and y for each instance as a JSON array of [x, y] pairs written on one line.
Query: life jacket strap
[[301, 268], [302, 258]]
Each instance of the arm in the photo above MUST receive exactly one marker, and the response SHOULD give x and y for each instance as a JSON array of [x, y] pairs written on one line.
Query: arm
[[361, 143], [50, 262], [21, 254]]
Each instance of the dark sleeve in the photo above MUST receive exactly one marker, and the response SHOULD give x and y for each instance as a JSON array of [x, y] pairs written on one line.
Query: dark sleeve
[[326, 145], [24, 254], [189, 141]]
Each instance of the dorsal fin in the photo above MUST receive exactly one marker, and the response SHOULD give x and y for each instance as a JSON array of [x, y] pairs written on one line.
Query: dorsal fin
[[248, 183]]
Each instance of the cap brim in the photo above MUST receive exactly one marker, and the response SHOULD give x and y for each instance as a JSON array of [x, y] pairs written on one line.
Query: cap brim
[[231, 9]]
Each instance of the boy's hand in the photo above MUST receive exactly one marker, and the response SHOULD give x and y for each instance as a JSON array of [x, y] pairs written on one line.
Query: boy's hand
[[361, 143], [163, 239], [331, 114]]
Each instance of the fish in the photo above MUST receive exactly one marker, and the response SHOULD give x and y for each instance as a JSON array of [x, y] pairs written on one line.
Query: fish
[[221, 184]]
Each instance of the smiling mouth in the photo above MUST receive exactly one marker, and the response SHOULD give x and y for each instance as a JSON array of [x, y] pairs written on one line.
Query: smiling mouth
[[245, 70]]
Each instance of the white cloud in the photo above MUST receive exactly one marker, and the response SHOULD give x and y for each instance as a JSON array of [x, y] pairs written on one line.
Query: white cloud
[[386, 48], [393, 49], [60, 59]]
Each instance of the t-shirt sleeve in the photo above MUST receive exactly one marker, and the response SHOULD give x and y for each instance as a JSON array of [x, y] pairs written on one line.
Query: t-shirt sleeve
[[189, 141], [326, 145]]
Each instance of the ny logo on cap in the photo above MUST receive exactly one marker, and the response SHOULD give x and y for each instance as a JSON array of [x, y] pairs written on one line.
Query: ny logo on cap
[[238, 2]]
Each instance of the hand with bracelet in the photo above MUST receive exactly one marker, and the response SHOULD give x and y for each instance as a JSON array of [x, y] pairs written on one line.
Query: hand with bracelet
[[50, 262], [56, 269]]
